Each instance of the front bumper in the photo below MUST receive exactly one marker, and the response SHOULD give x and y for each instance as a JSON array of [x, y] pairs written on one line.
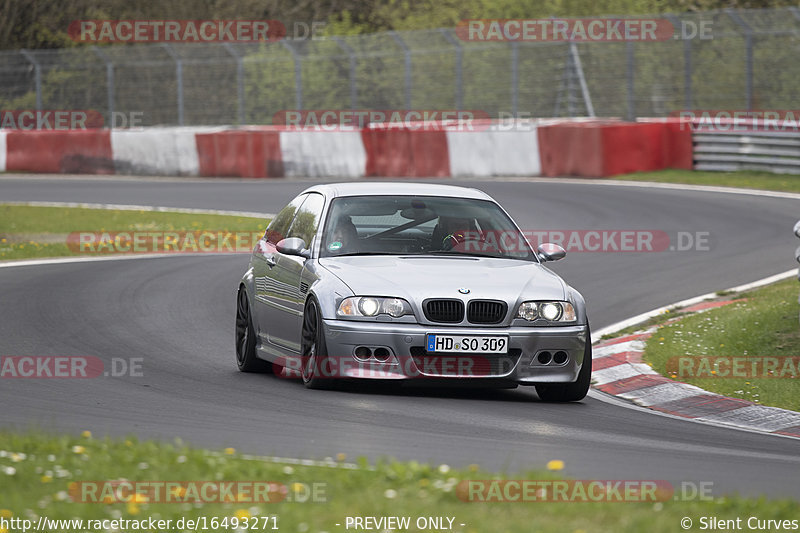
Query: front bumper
[[409, 360]]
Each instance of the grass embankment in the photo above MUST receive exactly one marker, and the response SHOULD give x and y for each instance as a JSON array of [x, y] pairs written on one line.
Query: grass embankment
[[749, 349], [37, 473], [743, 179], [30, 232]]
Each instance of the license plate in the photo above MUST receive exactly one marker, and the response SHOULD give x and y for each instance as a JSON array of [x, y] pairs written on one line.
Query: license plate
[[466, 344]]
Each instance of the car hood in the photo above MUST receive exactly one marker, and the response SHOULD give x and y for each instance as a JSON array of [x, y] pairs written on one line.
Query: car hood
[[422, 277]]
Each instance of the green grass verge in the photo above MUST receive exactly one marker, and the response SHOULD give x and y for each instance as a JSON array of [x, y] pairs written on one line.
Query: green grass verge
[[36, 471], [758, 330], [30, 232], [743, 179]]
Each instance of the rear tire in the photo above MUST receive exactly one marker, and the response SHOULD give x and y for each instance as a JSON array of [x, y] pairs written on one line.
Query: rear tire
[[246, 358], [571, 392]]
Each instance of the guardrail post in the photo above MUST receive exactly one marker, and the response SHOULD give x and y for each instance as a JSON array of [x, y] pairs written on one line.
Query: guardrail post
[[459, 60], [37, 74], [178, 78], [298, 74], [351, 54], [748, 43], [407, 57], [109, 82], [239, 80]]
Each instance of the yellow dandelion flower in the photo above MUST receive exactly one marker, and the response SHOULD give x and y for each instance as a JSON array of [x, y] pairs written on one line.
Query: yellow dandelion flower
[[555, 464], [132, 508], [78, 449], [242, 514], [230, 451], [341, 456], [46, 479], [5, 513], [86, 434]]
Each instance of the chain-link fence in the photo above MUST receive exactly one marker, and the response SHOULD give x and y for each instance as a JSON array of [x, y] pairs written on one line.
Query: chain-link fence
[[748, 61]]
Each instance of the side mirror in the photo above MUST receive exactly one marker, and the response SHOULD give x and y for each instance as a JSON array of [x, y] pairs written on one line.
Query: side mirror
[[548, 251], [293, 246], [797, 228]]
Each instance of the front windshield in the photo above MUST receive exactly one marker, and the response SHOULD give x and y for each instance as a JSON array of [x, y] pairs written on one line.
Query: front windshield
[[421, 225]]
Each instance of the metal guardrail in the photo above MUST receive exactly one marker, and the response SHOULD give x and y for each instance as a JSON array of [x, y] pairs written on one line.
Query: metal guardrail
[[770, 151]]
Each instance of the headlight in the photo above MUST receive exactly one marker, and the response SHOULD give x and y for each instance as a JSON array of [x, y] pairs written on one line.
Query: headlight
[[550, 311], [366, 306]]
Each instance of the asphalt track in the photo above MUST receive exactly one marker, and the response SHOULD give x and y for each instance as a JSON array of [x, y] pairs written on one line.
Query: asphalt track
[[177, 314]]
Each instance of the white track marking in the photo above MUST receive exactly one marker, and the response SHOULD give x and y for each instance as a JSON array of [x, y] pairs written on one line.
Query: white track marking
[[156, 208]]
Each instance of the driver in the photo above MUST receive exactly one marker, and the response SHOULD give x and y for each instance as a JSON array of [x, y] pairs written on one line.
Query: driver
[[454, 230], [344, 237]]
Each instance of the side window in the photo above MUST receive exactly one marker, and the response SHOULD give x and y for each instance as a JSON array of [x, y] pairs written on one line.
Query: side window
[[279, 227], [307, 220]]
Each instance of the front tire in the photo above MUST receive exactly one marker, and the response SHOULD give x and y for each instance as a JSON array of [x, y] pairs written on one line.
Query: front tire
[[314, 350], [571, 392], [246, 358]]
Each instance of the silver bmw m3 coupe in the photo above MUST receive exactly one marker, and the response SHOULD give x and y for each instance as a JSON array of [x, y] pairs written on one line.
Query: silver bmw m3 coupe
[[409, 281]]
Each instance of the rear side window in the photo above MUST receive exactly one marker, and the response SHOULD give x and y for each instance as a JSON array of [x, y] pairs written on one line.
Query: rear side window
[[279, 227], [307, 219]]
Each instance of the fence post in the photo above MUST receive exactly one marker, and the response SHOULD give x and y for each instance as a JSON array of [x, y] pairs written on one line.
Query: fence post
[[239, 80], [298, 74], [748, 43], [629, 67], [407, 56], [514, 77], [37, 75], [688, 98], [459, 67], [351, 54], [178, 78], [576, 61], [687, 63], [109, 82]]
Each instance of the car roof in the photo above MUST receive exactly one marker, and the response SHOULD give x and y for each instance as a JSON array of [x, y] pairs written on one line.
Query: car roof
[[369, 188]]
